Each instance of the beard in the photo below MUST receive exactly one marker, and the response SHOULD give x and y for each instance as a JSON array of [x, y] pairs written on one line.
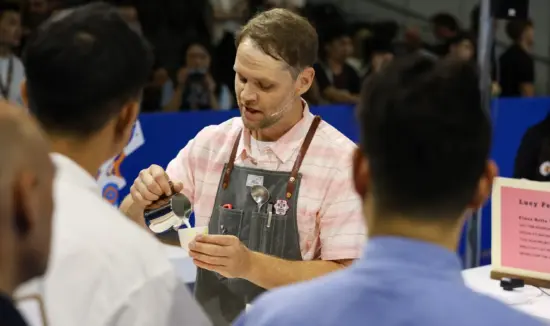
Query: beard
[[270, 119], [266, 122]]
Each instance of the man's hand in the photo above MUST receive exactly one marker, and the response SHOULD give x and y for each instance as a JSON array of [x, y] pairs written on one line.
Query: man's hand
[[224, 254], [150, 185]]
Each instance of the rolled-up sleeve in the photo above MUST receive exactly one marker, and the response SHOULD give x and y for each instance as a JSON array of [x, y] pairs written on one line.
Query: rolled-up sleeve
[[341, 223]]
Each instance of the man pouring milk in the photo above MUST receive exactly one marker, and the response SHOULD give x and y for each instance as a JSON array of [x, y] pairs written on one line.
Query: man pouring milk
[[274, 186]]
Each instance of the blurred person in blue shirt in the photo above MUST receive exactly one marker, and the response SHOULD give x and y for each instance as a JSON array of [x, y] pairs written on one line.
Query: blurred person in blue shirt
[[419, 121]]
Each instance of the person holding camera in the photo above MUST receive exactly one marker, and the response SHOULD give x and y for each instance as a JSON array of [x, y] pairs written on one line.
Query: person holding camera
[[195, 88]]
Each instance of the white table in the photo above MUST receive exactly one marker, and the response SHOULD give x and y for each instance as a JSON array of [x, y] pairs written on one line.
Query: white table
[[528, 299]]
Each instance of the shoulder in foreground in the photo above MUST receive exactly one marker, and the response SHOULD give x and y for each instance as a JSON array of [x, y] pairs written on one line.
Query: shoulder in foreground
[[300, 304], [104, 231]]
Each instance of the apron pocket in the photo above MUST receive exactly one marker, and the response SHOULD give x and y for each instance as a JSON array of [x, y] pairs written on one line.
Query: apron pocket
[[255, 235], [278, 236], [230, 221], [261, 232]]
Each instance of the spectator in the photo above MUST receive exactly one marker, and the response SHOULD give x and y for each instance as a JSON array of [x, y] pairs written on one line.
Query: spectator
[[26, 175], [35, 12], [86, 71], [358, 60], [444, 27], [418, 120], [517, 67], [338, 82], [153, 92], [229, 16], [12, 72], [532, 160], [379, 53], [461, 47], [196, 88]]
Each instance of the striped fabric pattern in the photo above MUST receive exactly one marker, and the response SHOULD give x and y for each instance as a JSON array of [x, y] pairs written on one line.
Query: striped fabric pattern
[[330, 216]]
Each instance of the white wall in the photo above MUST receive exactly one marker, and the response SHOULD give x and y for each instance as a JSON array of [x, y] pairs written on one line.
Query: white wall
[[539, 12]]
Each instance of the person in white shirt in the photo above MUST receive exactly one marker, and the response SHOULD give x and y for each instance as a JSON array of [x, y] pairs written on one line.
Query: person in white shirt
[[86, 70], [12, 72]]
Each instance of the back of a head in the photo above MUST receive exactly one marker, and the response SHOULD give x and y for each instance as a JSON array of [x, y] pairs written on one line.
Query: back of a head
[[425, 135], [283, 35], [333, 33], [26, 203], [82, 67], [9, 7], [445, 20], [516, 27]]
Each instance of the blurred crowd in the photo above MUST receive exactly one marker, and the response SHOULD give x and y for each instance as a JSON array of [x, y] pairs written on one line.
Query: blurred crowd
[[193, 41]]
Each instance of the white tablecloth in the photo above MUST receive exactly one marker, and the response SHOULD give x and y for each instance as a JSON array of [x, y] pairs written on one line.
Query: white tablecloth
[[529, 299]]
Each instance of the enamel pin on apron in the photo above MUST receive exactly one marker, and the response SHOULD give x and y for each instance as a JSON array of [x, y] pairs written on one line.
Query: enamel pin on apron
[[281, 207]]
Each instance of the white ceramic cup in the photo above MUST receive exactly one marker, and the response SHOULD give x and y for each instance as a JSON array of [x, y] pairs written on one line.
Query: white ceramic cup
[[187, 235]]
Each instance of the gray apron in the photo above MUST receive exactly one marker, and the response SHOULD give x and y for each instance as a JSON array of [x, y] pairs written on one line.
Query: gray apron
[[224, 299]]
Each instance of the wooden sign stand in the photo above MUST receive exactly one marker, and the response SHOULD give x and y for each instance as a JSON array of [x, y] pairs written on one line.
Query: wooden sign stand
[[495, 275], [520, 210]]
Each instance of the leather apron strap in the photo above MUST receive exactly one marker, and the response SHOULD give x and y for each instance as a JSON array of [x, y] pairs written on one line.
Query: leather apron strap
[[291, 186]]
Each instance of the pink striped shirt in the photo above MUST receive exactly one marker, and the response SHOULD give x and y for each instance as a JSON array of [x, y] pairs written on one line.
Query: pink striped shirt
[[330, 219]]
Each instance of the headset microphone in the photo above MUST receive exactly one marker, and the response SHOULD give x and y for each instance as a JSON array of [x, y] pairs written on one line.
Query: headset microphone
[[286, 107]]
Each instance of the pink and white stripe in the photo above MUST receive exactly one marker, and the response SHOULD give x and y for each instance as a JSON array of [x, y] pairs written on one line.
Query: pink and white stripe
[[330, 218]]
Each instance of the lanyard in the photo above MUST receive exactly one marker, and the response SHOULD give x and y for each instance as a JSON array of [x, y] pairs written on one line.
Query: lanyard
[[5, 88]]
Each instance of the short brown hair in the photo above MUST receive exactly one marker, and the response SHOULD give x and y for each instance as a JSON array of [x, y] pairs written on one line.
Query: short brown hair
[[283, 35]]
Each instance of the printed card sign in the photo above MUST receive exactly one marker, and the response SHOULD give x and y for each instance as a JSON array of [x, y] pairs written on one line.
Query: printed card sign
[[521, 228]]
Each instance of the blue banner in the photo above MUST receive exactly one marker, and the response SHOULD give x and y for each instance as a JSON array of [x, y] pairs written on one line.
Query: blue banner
[[162, 135]]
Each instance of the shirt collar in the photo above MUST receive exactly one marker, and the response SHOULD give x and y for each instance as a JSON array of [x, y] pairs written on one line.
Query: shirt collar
[[71, 172], [285, 146], [413, 255]]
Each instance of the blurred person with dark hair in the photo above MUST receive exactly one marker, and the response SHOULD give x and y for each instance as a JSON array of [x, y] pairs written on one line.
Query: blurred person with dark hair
[[229, 16], [444, 27], [338, 81], [360, 34], [378, 54], [26, 206], [86, 69], [153, 92], [461, 47], [35, 12], [195, 87], [532, 160], [418, 120], [12, 72], [517, 66]]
